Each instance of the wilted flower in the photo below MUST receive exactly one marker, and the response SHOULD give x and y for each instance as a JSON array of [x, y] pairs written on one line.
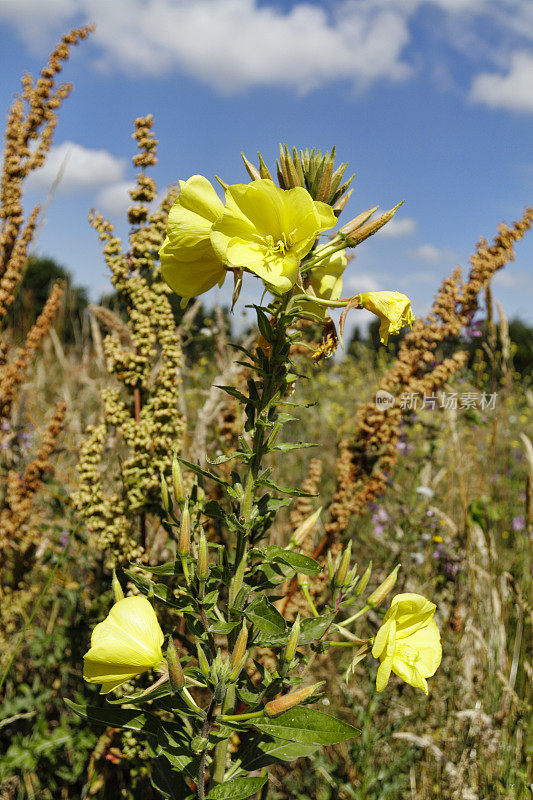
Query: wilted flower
[[127, 643], [326, 282], [188, 262], [408, 642], [392, 308], [268, 230]]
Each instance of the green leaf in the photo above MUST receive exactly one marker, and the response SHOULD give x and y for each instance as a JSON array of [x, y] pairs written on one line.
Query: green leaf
[[289, 490], [308, 726], [223, 627], [142, 697], [128, 718], [285, 447], [234, 393], [299, 562], [199, 471], [237, 789], [261, 752], [176, 747], [160, 590], [313, 628], [265, 618], [266, 329], [223, 459], [169, 781]]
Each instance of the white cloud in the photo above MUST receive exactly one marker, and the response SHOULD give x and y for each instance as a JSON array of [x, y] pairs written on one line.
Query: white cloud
[[36, 19], [430, 253], [513, 91], [77, 168], [236, 44], [114, 199], [398, 226]]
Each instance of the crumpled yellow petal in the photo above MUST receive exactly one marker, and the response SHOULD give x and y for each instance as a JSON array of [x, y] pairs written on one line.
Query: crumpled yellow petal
[[392, 308], [408, 642], [127, 643], [188, 262]]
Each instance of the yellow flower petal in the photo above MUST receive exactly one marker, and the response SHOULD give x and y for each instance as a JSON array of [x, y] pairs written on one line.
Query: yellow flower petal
[[127, 643], [267, 230], [188, 262], [326, 282]]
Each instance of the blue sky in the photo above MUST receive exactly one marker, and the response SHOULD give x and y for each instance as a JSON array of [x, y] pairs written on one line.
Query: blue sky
[[430, 101]]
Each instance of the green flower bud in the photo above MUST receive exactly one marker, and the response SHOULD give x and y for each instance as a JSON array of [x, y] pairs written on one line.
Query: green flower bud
[[117, 588], [379, 594], [240, 645], [202, 661], [365, 577], [184, 541], [281, 704], [175, 672], [292, 643], [342, 571], [164, 493], [177, 481], [237, 668], [302, 531], [202, 566]]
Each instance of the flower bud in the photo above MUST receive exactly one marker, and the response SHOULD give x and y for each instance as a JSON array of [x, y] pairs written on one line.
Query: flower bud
[[379, 594], [184, 540], [164, 493], [342, 571], [240, 645], [281, 704], [363, 232], [303, 581], [342, 202], [359, 220], [177, 480], [302, 531], [117, 588], [202, 661], [365, 577], [175, 672], [292, 643], [202, 566], [236, 670]]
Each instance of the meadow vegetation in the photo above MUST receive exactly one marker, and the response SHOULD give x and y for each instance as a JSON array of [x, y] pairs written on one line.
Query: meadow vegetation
[[96, 399]]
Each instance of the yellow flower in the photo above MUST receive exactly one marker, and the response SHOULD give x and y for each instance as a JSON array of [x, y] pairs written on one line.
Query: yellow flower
[[268, 230], [408, 642], [393, 309], [127, 643], [326, 282], [188, 262]]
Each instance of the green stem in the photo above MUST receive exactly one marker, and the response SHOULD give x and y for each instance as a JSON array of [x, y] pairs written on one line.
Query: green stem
[[360, 613], [222, 747]]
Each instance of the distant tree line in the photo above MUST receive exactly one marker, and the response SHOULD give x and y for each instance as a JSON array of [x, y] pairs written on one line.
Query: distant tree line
[[42, 272]]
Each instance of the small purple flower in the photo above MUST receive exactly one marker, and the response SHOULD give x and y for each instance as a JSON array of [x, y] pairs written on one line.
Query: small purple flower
[[519, 523], [5, 426]]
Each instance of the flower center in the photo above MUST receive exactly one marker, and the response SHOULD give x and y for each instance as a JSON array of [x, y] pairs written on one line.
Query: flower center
[[277, 247]]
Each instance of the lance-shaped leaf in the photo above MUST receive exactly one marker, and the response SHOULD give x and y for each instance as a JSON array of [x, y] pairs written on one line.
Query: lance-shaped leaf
[[307, 725], [169, 781], [237, 789]]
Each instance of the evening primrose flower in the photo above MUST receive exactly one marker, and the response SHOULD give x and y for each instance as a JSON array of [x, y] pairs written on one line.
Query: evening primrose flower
[[127, 643], [392, 308], [268, 231], [408, 642], [326, 282], [188, 262]]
